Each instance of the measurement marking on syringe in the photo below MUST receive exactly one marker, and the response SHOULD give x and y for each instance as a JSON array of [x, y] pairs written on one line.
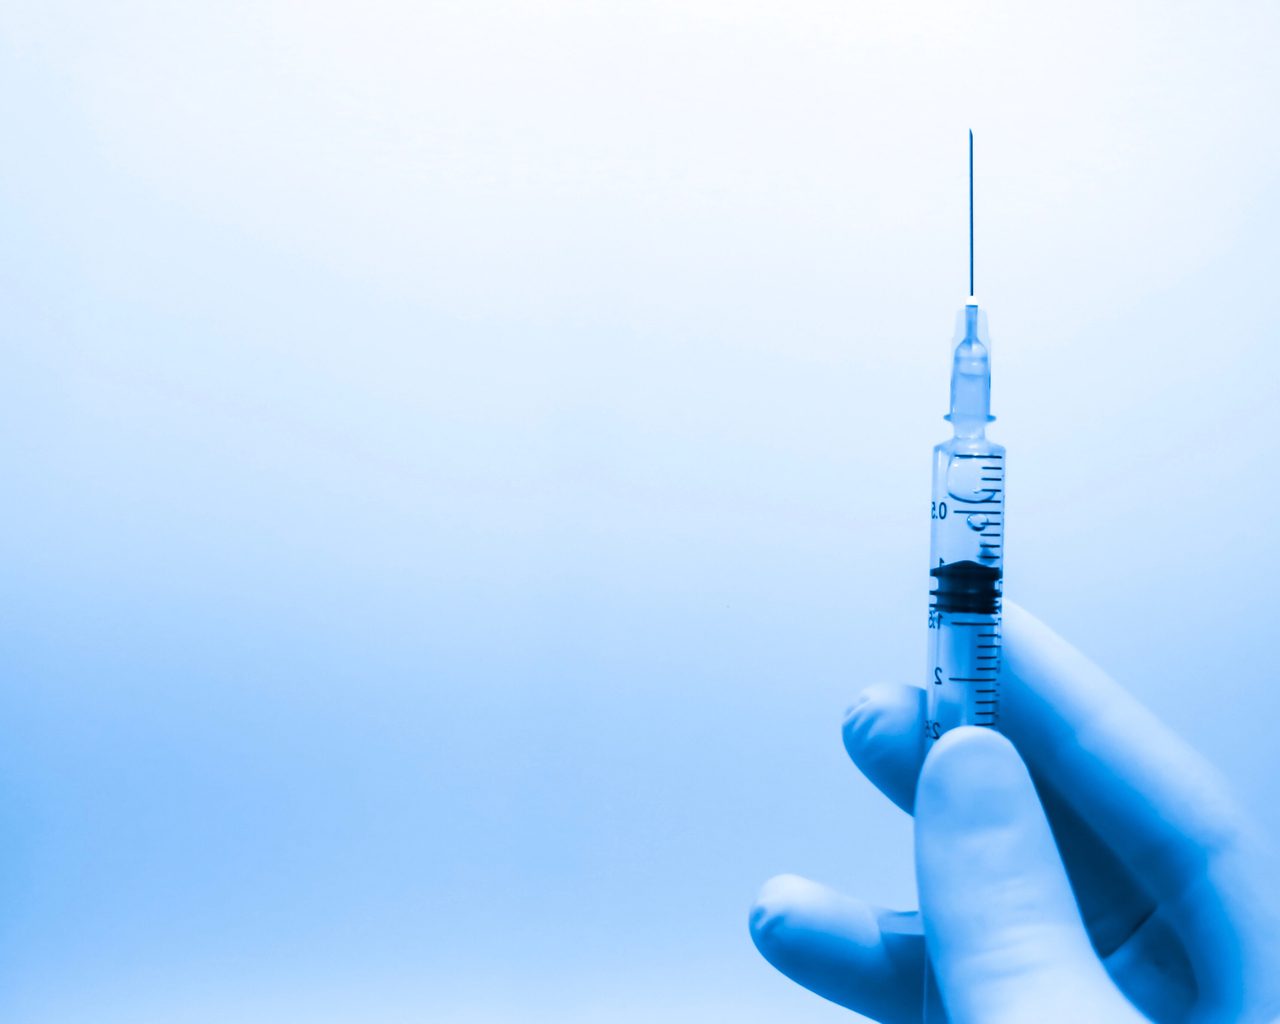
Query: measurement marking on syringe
[[977, 455], [966, 679]]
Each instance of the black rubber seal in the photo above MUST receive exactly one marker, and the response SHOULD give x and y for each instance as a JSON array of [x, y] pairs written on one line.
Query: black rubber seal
[[967, 587]]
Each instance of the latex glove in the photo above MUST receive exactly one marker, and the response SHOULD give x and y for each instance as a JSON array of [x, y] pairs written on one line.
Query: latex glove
[[1123, 876]]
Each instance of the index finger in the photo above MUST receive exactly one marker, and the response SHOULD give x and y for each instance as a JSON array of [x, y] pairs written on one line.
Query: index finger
[[1158, 803]]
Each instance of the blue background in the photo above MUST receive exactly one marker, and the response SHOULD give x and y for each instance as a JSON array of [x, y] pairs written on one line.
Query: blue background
[[460, 460]]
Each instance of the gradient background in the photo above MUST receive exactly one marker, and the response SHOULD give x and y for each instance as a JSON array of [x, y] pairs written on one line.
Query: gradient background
[[460, 459]]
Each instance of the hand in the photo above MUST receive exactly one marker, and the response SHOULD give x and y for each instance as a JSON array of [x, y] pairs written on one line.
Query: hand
[[1109, 877]]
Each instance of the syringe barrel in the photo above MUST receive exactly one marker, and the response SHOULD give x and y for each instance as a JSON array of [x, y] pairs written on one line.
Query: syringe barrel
[[967, 569]]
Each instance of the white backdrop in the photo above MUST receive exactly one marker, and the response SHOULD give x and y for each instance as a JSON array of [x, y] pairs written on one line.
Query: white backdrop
[[462, 458]]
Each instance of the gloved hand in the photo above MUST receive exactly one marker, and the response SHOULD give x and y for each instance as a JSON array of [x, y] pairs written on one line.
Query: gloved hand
[[1107, 878]]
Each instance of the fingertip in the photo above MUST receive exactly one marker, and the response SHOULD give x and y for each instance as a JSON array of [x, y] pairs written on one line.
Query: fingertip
[[1008, 607], [880, 701], [769, 911], [846, 950], [791, 910], [969, 742], [781, 902], [970, 768], [882, 735], [866, 697], [1025, 635]]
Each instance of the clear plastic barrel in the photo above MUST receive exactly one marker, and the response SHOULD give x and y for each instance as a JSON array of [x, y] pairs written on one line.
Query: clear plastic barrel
[[967, 564]]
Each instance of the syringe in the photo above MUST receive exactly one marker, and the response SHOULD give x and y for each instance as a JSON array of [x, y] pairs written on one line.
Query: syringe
[[966, 550]]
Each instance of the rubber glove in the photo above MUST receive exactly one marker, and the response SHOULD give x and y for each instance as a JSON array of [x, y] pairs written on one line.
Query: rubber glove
[[1085, 866]]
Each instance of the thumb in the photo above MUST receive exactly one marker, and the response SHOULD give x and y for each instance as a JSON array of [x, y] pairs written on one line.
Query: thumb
[[1004, 934]]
